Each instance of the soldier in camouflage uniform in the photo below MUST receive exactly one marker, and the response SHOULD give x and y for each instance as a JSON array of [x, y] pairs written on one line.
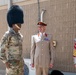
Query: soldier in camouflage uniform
[[11, 43], [74, 52]]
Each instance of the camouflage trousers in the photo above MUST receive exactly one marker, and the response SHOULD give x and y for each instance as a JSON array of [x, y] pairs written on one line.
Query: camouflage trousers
[[15, 68]]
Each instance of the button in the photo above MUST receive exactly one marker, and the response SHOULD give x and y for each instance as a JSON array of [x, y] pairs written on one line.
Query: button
[[42, 40], [42, 49], [42, 54], [42, 44]]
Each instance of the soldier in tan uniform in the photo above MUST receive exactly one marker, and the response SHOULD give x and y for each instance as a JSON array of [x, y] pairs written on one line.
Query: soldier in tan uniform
[[11, 43], [74, 52], [42, 50]]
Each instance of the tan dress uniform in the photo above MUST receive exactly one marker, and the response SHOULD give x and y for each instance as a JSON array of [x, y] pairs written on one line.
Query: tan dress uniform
[[11, 51], [42, 52]]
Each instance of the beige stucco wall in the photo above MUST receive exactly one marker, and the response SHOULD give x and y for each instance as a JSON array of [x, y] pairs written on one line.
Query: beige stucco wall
[[4, 2], [60, 17]]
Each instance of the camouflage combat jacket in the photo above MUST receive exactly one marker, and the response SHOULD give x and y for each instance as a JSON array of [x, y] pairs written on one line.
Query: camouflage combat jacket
[[11, 46]]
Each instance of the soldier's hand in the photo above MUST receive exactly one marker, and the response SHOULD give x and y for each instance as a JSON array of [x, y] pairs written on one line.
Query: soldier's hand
[[51, 66], [75, 65], [32, 65], [7, 64]]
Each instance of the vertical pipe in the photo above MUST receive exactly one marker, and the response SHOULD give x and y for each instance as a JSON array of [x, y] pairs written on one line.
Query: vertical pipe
[[38, 10], [42, 14], [9, 3]]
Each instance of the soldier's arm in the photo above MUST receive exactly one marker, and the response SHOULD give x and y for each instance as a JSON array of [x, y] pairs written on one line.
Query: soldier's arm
[[3, 48], [33, 46], [51, 50]]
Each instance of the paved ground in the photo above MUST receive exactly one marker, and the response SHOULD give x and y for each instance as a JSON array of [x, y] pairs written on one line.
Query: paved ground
[[2, 72], [67, 73], [31, 71]]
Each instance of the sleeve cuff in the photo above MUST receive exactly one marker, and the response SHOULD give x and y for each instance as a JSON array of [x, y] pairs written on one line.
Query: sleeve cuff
[[4, 61], [74, 60]]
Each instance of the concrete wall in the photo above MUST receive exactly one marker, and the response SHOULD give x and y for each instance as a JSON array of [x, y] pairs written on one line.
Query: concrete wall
[[4, 2], [60, 17]]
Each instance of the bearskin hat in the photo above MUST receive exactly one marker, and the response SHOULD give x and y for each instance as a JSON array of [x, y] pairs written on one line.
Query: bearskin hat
[[15, 15]]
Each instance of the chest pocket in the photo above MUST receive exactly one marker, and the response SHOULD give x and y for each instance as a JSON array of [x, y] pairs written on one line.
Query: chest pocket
[[14, 41]]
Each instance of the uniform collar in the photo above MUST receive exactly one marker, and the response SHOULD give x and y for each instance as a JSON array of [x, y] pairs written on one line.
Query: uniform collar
[[42, 34], [11, 30]]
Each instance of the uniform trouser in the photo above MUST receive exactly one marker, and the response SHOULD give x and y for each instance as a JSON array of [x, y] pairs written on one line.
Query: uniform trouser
[[16, 69], [41, 71]]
